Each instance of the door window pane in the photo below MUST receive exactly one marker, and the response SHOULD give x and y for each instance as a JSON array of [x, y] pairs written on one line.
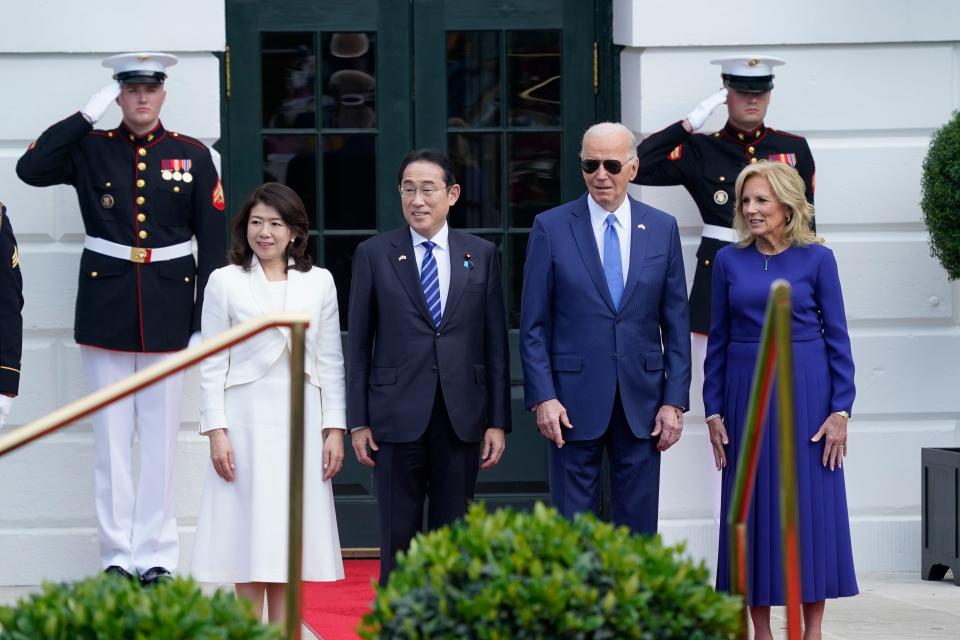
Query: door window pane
[[349, 80], [476, 161], [349, 182], [292, 160], [338, 259], [533, 79], [534, 175], [516, 255], [473, 78], [289, 73]]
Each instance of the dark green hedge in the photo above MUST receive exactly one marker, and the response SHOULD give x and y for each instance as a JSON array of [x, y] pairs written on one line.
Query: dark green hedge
[[511, 576], [111, 608], [941, 196]]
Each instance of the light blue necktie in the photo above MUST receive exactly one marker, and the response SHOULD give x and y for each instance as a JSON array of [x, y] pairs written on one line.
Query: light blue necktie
[[430, 281], [612, 263]]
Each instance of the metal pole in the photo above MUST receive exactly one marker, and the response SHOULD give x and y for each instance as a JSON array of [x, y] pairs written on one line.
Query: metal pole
[[789, 519], [295, 520]]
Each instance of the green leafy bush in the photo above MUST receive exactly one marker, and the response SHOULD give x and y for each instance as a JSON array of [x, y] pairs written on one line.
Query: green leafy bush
[[108, 608], [941, 196], [509, 575]]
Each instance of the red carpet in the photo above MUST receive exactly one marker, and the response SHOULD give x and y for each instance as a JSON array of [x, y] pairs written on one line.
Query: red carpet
[[332, 610]]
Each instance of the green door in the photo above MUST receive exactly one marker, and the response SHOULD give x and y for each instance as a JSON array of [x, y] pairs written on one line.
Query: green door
[[327, 97]]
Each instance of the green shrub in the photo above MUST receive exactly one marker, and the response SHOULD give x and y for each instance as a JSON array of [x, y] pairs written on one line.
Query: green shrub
[[509, 575], [941, 196], [108, 608]]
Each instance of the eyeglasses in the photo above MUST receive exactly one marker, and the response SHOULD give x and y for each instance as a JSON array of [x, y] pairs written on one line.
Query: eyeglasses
[[612, 166], [408, 192]]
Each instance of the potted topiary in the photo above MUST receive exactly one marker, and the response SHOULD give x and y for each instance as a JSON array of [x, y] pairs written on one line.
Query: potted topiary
[[509, 575], [940, 514], [109, 607], [941, 196]]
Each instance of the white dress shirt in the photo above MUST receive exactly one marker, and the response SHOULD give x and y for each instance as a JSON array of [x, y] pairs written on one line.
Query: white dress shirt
[[598, 220], [441, 253]]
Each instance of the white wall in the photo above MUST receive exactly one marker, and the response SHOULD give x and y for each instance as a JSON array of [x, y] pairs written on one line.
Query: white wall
[[866, 83], [50, 55]]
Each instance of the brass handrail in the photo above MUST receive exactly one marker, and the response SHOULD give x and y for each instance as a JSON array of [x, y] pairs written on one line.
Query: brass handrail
[[775, 356], [178, 361]]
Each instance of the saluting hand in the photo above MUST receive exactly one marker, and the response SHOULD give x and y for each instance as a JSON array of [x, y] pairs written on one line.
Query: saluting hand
[[702, 111], [100, 102], [550, 416], [221, 453]]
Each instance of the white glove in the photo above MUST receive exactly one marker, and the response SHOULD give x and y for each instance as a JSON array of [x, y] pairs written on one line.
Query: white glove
[[6, 403], [195, 339], [100, 102], [702, 111]]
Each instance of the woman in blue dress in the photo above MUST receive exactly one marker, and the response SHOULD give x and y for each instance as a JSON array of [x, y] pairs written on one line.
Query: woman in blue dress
[[773, 220]]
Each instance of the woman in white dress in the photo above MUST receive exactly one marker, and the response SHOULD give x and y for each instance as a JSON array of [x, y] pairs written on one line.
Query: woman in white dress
[[245, 409]]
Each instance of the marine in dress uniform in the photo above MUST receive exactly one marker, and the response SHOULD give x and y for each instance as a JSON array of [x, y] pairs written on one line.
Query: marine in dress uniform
[[11, 320], [145, 193], [707, 165]]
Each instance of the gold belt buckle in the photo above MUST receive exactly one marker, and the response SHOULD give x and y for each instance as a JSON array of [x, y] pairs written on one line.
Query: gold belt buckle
[[140, 255]]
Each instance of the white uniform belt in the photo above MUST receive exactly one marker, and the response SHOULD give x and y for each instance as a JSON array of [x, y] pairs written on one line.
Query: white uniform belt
[[719, 233], [142, 255]]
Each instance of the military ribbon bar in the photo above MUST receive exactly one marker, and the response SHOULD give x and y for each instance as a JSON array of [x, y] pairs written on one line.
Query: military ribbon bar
[[786, 158]]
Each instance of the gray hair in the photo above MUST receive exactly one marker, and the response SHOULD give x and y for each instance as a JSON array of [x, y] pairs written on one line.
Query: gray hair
[[611, 128]]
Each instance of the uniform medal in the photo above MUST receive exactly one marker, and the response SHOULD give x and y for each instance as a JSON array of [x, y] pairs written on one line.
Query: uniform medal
[[166, 169], [187, 176], [720, 196]]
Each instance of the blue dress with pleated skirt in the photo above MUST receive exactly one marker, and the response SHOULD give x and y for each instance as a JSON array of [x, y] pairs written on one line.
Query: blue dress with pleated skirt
[[823, 383]]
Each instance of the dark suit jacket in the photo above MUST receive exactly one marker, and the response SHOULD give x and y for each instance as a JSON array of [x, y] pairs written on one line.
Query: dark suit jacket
[[396, 354], [577, 348]]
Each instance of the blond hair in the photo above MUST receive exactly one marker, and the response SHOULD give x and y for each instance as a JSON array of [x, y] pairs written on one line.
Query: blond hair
[[788, 188]]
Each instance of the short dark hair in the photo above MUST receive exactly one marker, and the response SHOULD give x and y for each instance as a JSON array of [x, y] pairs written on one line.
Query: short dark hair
[[433, 156], [290, 207]]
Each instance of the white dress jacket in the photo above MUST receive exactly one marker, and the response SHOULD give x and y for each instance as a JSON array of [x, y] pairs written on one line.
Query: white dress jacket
[[233, 296]]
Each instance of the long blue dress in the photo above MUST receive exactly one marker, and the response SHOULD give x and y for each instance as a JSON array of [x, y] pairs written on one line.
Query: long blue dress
[[823, 382]]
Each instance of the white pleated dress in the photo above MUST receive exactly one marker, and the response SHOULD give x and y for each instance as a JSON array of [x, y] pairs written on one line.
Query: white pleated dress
[[242, 527]]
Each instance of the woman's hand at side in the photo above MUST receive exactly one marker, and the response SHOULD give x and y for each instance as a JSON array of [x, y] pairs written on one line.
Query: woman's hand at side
[[718, 441], [221, 453], [332, 452]]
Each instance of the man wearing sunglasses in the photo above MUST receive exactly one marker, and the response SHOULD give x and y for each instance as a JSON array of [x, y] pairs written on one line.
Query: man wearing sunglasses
[[707, 165], [604, 336]]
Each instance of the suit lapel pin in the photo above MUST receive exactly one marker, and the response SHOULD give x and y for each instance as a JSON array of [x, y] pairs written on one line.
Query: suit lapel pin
[[402, 257], [467, 262], [642, 227]]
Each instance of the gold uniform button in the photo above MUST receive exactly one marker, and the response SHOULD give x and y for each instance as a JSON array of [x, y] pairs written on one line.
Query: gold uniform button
[[142, 152], [186, 279], [143, 235], [141, 217], [141, 200], [140, 183], [176, 189], [109, 134], [706, 263], [752, 160], [94, 274], [108, 184], [142, 166], [175, 134], [750, 149], [723, 178]]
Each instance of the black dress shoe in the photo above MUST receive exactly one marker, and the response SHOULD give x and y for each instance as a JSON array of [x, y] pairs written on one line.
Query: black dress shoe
[[154, 575], [120, 572]]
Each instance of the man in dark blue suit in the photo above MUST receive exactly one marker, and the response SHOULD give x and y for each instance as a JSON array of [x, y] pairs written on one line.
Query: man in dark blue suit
[[428, 377], [604, 336]]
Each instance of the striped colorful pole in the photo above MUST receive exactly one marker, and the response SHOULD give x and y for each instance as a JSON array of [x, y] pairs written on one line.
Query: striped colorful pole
[[775, 356]]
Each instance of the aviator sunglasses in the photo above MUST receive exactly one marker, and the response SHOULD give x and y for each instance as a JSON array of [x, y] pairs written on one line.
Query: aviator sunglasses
[[612, 166]]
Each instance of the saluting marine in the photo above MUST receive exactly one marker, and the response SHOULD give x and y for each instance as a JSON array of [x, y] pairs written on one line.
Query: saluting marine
[[707, 165], [11, 320], [144, 193]]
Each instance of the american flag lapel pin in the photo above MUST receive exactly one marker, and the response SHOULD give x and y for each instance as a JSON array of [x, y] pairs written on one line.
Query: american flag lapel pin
[[642, 227], [402, 257]]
